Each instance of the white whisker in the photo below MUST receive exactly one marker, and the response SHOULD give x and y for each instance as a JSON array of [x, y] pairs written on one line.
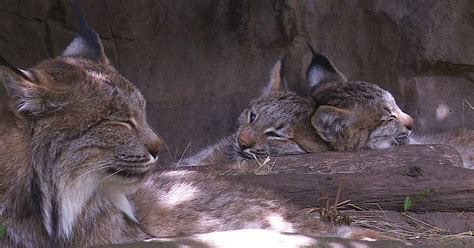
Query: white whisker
[[101, 180], [182, 155], [88, 172], [83, 165]]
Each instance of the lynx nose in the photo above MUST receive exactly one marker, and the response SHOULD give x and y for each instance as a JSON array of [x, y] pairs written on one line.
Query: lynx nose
[[155, 147], [245, 141], [407, 121]]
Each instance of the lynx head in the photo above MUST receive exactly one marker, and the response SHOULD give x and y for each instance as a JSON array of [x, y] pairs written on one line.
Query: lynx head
[[354, 115], [87, 128], [277, 122]]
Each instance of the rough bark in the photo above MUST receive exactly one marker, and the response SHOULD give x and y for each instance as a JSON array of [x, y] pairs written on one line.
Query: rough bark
[[429, 174]]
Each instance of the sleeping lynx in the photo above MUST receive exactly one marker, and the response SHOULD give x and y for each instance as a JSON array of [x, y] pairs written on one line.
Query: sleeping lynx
[[353, 115], [276, 123], [350, 115], [362, 115], [76, 156]]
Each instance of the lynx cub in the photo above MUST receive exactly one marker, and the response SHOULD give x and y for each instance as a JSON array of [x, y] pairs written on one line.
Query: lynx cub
[[76, 163], [275, 123], [359, 114], [353, 115]]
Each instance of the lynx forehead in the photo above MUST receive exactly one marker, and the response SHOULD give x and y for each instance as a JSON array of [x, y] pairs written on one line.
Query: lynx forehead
[[98, 76]]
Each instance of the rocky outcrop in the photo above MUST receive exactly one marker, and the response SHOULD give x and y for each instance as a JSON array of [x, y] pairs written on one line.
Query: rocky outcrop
[[200, 62]]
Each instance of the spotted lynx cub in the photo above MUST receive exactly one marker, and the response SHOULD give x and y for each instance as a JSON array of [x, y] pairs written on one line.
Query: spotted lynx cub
[[76, 163], [353, 115], [349, 116], [275, 123], [359, 114]]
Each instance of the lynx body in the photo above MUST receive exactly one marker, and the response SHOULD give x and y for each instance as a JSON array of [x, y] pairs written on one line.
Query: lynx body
[[76, 163]]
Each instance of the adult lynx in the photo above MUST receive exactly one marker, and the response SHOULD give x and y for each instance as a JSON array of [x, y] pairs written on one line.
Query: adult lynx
[[76, 156]]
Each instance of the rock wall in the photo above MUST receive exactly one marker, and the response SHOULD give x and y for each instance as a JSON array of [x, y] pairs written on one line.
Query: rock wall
[[198, 63]]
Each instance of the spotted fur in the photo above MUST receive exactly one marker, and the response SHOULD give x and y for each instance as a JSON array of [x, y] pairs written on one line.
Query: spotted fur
[[354, 115], [276, 123]]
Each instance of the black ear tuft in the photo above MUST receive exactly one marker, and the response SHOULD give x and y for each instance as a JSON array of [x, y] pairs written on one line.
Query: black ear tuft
[[321, 70], [87, 43]]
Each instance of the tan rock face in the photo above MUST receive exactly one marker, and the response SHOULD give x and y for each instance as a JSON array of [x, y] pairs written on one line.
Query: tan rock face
[[200, 62]]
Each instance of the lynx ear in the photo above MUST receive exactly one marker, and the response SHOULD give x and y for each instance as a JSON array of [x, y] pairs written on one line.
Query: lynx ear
[[321, 70], [277, 78], [25, 96], [87, 43], [24, 74], [329, 122]]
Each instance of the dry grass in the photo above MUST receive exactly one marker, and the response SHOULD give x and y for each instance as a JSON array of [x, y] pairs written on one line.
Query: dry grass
[[423, 233], [256, 166], [373, 220], [377, 220], [407, 227]]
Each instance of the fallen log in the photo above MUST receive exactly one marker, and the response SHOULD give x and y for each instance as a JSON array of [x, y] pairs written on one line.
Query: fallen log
[[431, 175]]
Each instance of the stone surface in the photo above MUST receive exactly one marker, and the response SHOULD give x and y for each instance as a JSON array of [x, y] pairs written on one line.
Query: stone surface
[[200, 62]]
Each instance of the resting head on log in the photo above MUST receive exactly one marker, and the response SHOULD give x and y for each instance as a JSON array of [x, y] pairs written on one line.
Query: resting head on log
[[276, 123], [354, 115], [350, 116]]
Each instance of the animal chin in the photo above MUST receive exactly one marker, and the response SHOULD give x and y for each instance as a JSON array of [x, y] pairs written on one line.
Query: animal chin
[[245, 154], [251, 154], [402, 139], [131, 173], [383, 145]]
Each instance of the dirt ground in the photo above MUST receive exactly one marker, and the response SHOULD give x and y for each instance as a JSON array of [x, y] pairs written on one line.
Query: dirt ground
[[441, 228]]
